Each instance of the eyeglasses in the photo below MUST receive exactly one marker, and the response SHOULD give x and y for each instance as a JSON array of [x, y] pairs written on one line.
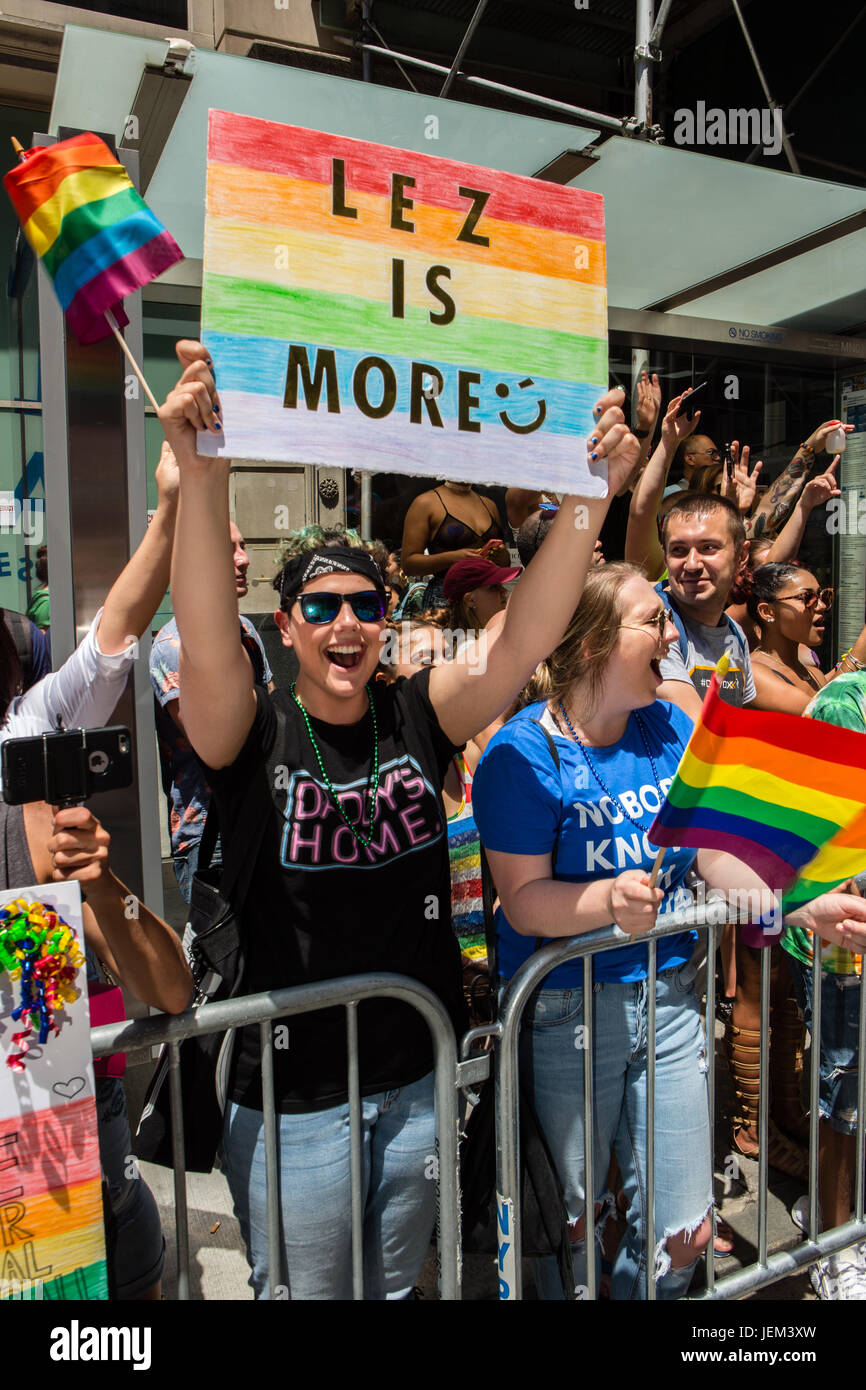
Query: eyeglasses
[[660, 621], [368, 606], [810, 598], [711, 453]]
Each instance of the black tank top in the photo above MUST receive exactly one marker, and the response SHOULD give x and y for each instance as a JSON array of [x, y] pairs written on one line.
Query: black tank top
[[454, 534]]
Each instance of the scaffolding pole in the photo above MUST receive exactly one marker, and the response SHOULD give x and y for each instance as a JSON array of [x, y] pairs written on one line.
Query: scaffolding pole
[[786, 144], [643, 87], [467, 39], [579, 114]]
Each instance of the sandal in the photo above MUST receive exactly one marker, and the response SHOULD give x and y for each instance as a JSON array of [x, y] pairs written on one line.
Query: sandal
[[723, 1240], [743, 1049]]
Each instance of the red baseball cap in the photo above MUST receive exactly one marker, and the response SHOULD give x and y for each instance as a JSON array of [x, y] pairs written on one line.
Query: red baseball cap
[[476, 573]]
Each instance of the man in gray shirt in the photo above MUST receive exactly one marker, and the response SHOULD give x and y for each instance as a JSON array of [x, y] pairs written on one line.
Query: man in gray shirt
[[704, 544]]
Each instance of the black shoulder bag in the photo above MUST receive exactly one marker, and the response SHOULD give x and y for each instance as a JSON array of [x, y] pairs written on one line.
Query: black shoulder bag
[[214, 945]]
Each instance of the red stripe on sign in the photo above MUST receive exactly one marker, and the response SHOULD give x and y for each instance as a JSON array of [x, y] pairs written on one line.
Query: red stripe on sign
[[308, 154]]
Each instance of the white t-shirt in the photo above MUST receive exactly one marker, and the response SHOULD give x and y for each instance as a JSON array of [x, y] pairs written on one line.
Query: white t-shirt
[[83, 692]]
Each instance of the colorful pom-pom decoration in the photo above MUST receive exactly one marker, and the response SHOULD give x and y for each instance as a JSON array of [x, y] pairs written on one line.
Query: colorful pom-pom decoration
[[40, 949]]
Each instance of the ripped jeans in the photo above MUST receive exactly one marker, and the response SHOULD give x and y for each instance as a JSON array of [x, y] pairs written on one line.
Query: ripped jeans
[[552, 1060]]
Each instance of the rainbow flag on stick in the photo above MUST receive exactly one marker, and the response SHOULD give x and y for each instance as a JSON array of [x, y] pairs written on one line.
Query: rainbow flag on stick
[[94, 234], [782, 793]]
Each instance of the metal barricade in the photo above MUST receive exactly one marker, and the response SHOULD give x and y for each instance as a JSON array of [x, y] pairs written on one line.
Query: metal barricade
[[767, 1269], [263, 1009]]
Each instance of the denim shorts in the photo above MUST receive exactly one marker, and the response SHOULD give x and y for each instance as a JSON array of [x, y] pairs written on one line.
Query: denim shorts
[[840, 1024], [552, 1065], [399, 1165]]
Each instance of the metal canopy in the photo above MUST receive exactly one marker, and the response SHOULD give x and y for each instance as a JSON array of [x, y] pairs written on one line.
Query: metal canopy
[[713, 239]]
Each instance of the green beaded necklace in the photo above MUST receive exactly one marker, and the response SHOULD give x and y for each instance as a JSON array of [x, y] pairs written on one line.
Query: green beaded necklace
[[373, 780]]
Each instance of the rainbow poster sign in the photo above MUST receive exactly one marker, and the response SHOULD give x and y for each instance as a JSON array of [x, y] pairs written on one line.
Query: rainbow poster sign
[[377, 308], [52, 1242]]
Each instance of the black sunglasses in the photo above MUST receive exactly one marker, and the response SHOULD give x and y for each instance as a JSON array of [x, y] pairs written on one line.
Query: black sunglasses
[[368, 606]]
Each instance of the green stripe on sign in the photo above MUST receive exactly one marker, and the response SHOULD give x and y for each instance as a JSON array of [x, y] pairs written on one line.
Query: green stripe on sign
[[79, 226], [90, 1283], [253, 308]]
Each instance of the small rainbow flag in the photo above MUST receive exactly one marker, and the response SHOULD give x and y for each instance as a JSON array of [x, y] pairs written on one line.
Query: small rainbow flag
[[95, 235], [781, 793]]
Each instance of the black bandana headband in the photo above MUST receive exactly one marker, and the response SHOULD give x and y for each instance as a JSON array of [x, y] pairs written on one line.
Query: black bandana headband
[[335, 559]]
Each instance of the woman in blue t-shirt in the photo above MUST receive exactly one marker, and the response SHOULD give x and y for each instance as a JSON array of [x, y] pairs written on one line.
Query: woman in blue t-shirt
[[564, 797]]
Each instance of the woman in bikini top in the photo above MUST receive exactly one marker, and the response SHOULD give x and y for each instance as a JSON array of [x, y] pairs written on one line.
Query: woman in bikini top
[[454, 534], [431, 526]]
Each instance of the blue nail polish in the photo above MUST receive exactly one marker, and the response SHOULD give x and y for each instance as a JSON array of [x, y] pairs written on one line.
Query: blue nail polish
[[597, 412], [594, 439], [593, 456]]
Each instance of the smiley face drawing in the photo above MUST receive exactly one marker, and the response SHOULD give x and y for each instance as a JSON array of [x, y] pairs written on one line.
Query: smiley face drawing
[[502, 391]]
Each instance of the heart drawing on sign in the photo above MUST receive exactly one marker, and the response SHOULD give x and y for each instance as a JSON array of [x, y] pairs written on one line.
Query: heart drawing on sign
[[69, 1088]]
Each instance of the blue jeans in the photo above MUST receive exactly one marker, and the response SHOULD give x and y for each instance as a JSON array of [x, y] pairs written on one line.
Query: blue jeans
[[185, 866], [135, 1249], [398, 1189], [552, 1061], [840, 1041]]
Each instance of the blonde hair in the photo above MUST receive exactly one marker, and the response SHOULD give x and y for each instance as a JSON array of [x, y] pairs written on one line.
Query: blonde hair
[[592, 634]]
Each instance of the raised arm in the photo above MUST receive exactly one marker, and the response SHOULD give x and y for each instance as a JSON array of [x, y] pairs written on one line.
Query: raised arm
[[467, 696], [816, 493], [642, 545], [216, 678], [647, 407], [783, 493], [740, 486], [140, 588]]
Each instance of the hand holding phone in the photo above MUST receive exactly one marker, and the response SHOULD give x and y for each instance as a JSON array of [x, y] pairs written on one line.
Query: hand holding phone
[[687, 403], [66, 768]]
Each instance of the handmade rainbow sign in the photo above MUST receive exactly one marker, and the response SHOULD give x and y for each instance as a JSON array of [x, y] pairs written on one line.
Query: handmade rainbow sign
[[377, 308], [52, 1243]]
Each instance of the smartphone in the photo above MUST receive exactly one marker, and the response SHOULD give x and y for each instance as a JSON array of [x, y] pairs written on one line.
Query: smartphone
[[66, 768], [686, 406]]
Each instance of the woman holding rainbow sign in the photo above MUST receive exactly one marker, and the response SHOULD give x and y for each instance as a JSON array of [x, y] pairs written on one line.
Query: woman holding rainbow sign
[[353, 874]]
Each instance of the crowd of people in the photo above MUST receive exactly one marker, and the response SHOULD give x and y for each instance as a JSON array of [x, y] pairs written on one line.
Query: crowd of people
[[528, 716]]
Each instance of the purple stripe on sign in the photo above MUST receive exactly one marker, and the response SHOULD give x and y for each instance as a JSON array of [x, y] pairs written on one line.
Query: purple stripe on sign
[[273, 432]]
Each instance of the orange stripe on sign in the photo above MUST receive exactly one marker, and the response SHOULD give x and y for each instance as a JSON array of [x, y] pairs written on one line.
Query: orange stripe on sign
[[298, 204]]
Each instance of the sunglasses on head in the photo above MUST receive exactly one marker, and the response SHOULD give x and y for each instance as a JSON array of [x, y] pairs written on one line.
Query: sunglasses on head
[[368, 606]]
